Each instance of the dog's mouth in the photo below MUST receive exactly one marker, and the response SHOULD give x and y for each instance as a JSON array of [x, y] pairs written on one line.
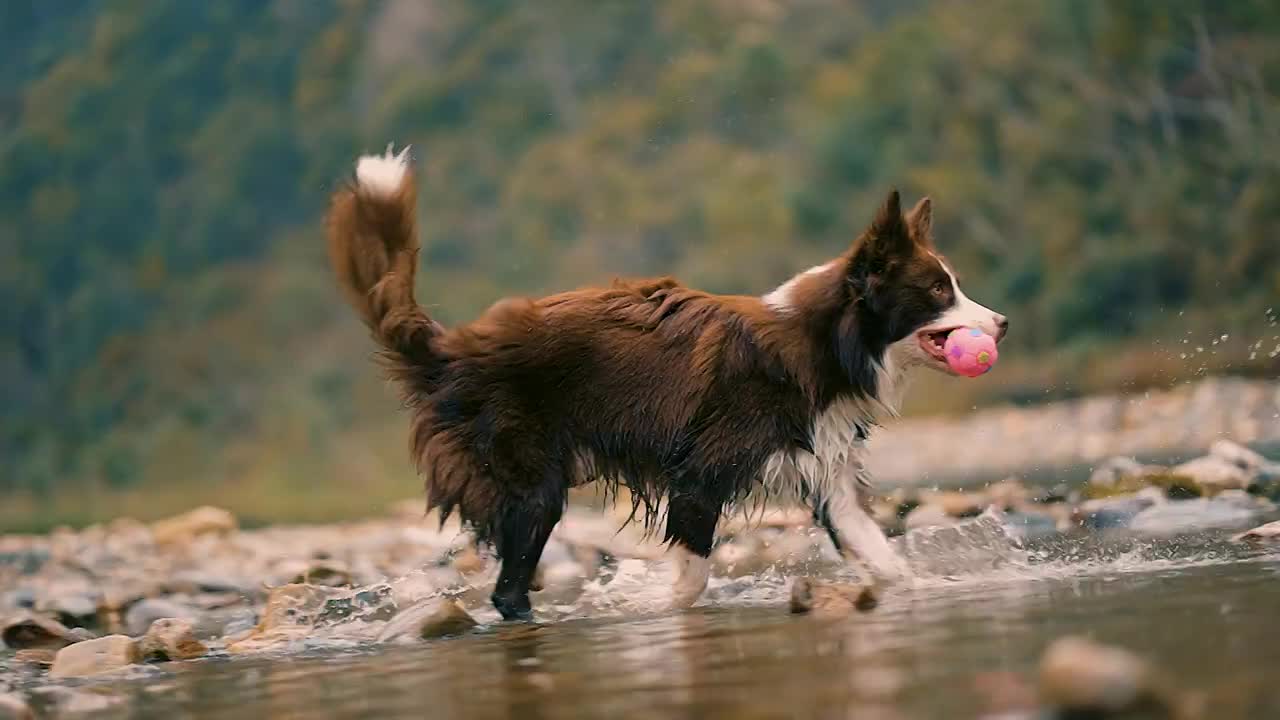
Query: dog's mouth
[[934, 341]]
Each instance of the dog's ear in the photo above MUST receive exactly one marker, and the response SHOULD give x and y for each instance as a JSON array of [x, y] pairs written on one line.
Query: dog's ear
[[886, 239], [920, 221]]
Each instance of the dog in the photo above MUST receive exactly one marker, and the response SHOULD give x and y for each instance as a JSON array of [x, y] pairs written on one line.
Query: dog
[[694, 402]]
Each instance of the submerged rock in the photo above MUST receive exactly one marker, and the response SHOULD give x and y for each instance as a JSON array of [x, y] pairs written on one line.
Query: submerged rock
[[427, 619], [1269, 533], [1079, 676], [144, 613], [188, 526], [831, 599], [13, 707], [92, 657], [35, 631], [1211, 475], [171, 639]]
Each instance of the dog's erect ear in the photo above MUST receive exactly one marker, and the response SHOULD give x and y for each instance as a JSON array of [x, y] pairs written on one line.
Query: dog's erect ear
[[920, 221], [885, 239]]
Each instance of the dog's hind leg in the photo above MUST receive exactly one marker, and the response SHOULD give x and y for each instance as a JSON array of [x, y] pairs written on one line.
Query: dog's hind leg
[[691, 528], [526, 525]]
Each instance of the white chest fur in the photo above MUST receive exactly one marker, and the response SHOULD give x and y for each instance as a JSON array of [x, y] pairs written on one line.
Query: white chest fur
[[836, 459]]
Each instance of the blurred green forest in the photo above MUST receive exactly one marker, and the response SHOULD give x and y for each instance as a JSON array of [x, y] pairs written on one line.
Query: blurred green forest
[[1105, 173]]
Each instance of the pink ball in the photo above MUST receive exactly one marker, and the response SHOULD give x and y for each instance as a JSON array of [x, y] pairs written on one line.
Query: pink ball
[[970, 352]]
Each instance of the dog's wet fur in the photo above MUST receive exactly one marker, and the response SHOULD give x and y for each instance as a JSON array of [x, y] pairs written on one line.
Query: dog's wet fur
[[694, 402]]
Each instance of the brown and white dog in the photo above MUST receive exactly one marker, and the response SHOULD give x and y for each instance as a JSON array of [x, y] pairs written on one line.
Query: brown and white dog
[[691, 400]]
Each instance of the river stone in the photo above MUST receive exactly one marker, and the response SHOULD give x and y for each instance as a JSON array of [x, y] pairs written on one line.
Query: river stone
[[828, 599], [1079, 676], [925, 516], [171, 639], [13, 707], [142, 614], [91, 657], [1120, 475], [1211, 475], [36, 656], [35, 631], [329, 575], [1268, 533], [426, 619], [186, 527]]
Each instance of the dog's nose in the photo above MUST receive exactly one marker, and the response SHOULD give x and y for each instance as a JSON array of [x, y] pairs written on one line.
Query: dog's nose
[[1002, 324]]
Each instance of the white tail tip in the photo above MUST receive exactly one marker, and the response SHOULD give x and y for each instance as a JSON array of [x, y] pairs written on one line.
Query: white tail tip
[[382, 174]]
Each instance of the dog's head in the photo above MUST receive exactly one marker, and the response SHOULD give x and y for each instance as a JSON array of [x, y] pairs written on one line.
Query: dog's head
[[906, 298]]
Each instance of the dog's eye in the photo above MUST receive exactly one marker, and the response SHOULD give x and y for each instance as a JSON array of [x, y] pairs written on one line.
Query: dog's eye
[[939, 288]]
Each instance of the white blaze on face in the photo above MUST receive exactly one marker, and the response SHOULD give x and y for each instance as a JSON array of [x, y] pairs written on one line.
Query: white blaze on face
[[966, 312]]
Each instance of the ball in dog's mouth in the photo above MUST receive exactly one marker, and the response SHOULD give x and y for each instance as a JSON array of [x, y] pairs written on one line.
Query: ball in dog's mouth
[[934, 342]]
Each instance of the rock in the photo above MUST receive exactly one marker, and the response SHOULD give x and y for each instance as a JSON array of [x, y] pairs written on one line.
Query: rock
[[957, 504], [1238, 455], [1008, 493], [1268, 533], [295, 605], [1228, 510], [36, 656], [1116, 511], [468, 561], [144, 613], [190, 525], [92, 657], [830, 599], [327, 575], [426, 619], [1211, 475], [1079, 676], [1120, 475], [35, 631], [73, 609], [192, 582], [13, 707], [171, 639], [925, 516]]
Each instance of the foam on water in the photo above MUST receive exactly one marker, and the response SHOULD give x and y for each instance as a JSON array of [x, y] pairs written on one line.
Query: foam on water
[[983, 551]]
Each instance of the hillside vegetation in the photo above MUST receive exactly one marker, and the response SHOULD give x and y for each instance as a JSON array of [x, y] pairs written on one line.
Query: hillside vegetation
[[1106, 174]]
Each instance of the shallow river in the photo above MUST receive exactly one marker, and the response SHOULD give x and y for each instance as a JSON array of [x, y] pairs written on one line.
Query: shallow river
[[962, 642]]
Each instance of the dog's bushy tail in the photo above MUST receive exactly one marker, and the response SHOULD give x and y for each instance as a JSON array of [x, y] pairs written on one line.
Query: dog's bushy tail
[[373, 245]]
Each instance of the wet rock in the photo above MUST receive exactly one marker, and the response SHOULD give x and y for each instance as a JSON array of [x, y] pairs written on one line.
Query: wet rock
[[171, 639], [192, 582], [1269, 533], [36, 656], [1120, 476], [290, 614], [468, 561], [190, 525], [13, 707], [1079, 676], [368, 605], [143, 614], [831, 599], [1212, 474], [1238, 455], [1117, 511], [1229, 509], [426, 619], [73, 609], [35, 631], [92, 657], [328, 575], [1008, 494], [926, 516], [955, 503]]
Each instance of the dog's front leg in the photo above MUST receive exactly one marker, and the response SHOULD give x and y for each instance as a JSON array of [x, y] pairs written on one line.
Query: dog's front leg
[[844, 511]]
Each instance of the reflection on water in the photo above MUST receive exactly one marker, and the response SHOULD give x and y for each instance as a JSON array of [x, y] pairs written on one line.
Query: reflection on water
[[958, 646]]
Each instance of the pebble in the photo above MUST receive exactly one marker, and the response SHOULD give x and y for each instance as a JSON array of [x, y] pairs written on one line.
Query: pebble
[[36, 631], [1211, 475], [1080, 676], [427, 619], [171, 639], [190, 525], [92, 657], [831, 599], [1263, 533], [141, 615], [13, 707]]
